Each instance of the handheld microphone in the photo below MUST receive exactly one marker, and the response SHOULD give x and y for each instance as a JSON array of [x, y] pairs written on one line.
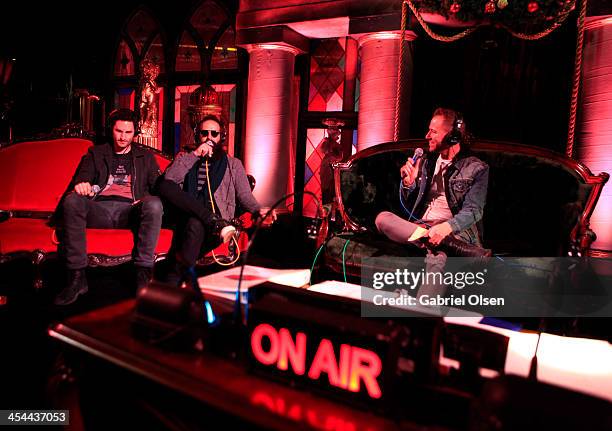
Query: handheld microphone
[[211, 144], [418, 153], [95, 189]]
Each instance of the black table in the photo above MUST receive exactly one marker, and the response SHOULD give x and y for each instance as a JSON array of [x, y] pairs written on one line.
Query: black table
[[156, 388]]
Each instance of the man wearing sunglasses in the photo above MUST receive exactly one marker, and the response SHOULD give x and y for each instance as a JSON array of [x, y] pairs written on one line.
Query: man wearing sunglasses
[[204, 187]]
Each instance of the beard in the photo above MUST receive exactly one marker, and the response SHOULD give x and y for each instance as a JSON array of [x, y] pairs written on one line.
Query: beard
[[217, 148]]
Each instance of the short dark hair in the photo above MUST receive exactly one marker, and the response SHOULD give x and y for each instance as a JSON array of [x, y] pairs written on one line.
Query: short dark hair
[[122, 114]]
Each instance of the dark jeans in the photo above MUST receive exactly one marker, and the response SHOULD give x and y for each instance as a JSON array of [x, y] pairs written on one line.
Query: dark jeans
[[193, 234], [191, 240], [81, 212]]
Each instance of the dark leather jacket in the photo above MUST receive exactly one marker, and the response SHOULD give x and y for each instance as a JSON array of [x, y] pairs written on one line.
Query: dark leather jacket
[[466, 180]]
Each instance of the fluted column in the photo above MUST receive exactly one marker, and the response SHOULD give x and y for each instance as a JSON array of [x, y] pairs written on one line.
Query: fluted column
[[268, 120], [594, 129], [378, 86]]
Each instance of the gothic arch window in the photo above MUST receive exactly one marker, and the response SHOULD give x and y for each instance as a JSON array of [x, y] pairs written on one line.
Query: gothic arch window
[[124, 61], [205, 50], [188, 55], [140, 39], [225, 53], [207, 41], [207, 47]]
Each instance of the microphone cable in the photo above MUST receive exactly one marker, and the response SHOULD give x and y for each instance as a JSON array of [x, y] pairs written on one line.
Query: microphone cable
[[408, 212], [259, 223], [212, 204], [418, 153]]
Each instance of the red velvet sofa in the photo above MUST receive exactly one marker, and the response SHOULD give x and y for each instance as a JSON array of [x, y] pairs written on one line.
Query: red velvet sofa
[[36, 175]]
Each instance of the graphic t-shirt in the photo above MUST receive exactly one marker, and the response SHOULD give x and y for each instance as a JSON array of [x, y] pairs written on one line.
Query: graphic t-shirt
[[119, 185]]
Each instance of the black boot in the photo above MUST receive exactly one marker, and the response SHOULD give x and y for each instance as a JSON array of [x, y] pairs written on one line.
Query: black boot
[[177, 273], [173, 275], [459, 248], [190, 277], [143, 276], [77, 285]]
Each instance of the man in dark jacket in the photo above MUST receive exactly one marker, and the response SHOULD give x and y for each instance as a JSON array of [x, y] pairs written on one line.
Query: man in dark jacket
[[110, 190]]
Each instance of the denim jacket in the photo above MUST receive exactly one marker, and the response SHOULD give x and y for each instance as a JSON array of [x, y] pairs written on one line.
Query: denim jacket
[[465, 184]]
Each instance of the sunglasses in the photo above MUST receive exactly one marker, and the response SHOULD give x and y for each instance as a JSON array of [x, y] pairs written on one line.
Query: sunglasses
[[204, 133]]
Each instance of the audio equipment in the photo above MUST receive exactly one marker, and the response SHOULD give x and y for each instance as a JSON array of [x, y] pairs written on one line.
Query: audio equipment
[[457, 133]]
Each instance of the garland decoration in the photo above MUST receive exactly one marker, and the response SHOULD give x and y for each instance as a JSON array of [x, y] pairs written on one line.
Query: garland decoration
[[524, 19]]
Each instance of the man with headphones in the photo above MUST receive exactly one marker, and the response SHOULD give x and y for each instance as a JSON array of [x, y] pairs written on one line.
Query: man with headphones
[[111, 189], [203, 186], [444, 195]]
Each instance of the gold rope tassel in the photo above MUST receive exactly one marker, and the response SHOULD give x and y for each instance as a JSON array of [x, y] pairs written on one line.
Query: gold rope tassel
[[400, 72], [433, 34], [577, 75]]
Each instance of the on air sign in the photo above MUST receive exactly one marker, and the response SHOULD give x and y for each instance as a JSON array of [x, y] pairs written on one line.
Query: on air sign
[[353, 369]]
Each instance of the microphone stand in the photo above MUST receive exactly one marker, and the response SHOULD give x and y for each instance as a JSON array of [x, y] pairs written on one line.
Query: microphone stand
[[240, 323]]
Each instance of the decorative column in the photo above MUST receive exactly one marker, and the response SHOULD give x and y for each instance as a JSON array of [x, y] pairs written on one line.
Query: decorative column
[[594, 129], [267, 144], [149, 71], [378, 87]]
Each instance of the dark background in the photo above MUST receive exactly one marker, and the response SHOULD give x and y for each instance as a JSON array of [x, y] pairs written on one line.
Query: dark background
[[508, 89]]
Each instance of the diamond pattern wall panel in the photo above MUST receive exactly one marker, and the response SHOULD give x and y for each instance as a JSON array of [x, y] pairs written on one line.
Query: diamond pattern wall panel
[[327, 75]]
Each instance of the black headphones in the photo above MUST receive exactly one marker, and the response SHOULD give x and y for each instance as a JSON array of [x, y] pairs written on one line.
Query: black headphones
[[214, 118], [457, 133], [122, 114]]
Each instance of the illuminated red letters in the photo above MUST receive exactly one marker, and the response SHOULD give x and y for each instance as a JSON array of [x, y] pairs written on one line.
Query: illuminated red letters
[[355, 365], [290, 352], [366, 366], [265, 330], [325, 361]]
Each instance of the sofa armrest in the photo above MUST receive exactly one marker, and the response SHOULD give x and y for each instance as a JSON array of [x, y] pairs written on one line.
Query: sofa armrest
[[581, 239]]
